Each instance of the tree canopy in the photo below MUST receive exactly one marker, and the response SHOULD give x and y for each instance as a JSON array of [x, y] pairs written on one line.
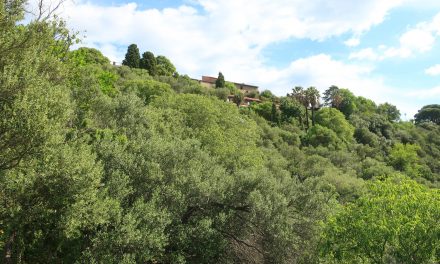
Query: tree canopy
[[428, 113], [134, 163], [395, 222], [220, 82], [149, 63], [132, 57]]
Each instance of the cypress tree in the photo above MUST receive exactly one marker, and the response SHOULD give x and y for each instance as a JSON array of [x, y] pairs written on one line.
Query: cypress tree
[[220, 82], [132, 57], [149, 63], [275, 116]]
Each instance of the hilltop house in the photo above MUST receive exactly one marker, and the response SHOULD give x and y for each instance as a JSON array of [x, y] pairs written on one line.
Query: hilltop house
[[209, 82]]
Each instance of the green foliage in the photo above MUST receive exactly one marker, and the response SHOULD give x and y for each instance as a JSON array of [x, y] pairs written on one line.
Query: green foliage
[[267, 95], [364, 136], [291, 109], [366, 106], [395, 222], [348, 187], [390, 111], [275, 115], [147, 90], [333, 119], [165, 67], [85, 56], [104, 164], [52, 202], [403, 157], [34, 102], [216, 124], [299, 94], [264, 109], [231, 87], [348, 102], [268, 110], [371, 168], [322, 136], [107, 81], [183, 84], [428, 113], [149, 63], [132, 57], [220, 82], [238, 98], [252, 94], [221, 93], [332, 98], [312, 97]]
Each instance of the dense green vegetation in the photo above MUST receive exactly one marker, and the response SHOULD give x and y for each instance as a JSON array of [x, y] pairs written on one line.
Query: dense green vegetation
[[108, 164]]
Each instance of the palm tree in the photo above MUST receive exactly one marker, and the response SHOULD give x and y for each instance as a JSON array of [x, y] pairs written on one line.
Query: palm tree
[[300, 95], [313, 96], [332, 97]]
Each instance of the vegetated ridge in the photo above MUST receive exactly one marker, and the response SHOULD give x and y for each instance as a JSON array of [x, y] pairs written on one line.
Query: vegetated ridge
[[138, 164]]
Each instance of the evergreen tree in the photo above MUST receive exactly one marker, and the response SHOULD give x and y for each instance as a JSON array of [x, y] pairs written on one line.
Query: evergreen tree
[[132, 57], [238, 98], [301, 96], [149, 63], [332, 97], [220, 82], [275, 115], [312, 96]]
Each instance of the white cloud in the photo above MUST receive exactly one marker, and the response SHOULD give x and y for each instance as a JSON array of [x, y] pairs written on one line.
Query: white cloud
[[364, 54], [214, 35], [433, 94], [433, 70], [229, 35], [323, 71], [419, 39], [352, 42]]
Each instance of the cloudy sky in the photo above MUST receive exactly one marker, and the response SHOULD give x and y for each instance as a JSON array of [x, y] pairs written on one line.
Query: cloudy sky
[[385, 50]]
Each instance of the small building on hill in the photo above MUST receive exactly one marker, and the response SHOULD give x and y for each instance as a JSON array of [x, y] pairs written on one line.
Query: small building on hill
[[208, 81]]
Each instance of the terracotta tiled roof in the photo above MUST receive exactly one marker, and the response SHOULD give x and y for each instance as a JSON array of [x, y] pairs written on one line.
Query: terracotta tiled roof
[[208, 79]]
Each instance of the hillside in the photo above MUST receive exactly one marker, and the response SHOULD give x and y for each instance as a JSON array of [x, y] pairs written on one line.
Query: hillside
[[138, 164]]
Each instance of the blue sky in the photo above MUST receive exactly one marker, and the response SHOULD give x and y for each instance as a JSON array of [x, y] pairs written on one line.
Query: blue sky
[[383, 50]]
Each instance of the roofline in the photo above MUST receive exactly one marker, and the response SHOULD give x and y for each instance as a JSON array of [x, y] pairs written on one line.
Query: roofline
[[250, 85]]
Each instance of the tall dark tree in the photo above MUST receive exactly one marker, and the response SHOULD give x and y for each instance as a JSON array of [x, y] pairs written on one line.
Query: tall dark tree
[[220, 82], [291, 108], [238, 98], [312, 96], [332, 97], [149, 63], [300, 95], [275, 114], [132, 57]]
